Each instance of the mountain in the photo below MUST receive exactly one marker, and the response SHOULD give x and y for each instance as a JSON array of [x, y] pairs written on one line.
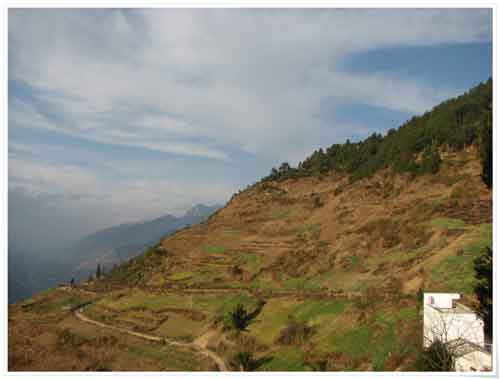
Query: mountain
[[119, 243], [31, 272], [315, 267]]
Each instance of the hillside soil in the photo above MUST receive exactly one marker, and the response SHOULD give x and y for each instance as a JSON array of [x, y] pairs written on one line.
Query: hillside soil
[[339, 264]]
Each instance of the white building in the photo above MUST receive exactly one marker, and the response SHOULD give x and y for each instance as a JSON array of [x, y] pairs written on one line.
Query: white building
[[453, 323]]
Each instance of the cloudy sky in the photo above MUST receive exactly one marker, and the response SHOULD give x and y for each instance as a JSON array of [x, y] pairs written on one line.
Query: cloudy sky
[[124, 115]]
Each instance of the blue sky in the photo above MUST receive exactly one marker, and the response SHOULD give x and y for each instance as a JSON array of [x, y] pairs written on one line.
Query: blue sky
[[124, 115]]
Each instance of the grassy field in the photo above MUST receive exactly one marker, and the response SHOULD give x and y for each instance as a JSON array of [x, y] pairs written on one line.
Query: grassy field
[[55, 340], [455, 272], [448, 223]]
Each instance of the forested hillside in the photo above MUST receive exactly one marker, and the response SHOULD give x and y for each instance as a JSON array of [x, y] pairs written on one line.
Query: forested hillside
[[414, 147]]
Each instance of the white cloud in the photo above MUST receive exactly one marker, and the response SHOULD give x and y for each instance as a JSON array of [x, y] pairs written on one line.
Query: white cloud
[[135, 199], [204, 84], [248, 79], [54, 178]]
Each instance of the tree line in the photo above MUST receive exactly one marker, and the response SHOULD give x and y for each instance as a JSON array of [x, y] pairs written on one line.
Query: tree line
[[414, 147]]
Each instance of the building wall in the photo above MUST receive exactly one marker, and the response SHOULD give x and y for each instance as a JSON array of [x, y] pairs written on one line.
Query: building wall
[[449, 326], [447, 323], [440, 300], [443, 321], [474, 361]]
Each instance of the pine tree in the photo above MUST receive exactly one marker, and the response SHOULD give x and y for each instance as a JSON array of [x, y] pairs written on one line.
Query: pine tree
[[284, 168], [431, 160], [274, 173], [98, 272]]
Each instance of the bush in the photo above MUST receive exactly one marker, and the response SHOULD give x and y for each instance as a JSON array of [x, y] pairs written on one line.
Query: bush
[[317, 202], [437, 357], [67, 339], [245, 361], [295, 333]]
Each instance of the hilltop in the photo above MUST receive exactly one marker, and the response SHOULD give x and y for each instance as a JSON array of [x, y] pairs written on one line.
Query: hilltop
[[328, 259]]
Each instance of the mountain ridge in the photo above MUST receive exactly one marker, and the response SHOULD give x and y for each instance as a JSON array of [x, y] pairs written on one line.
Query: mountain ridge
[[116, 244]]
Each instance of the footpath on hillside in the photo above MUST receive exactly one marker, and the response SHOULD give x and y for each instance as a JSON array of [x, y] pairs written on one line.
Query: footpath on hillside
[[198, 345]]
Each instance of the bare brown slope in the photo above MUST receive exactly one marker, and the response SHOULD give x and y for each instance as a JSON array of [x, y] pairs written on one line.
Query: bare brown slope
[[344, 258], [310, 227]]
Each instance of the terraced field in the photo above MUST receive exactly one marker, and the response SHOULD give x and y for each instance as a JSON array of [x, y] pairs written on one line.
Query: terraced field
[[339, 279]]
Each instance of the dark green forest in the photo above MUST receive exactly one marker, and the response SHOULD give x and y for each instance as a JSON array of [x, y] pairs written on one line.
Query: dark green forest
[[414, 147]]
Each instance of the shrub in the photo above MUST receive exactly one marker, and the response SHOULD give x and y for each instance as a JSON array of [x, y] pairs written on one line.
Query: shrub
[[295, 333], [245, 361], [437, 357], [67, 339], [318, 203]]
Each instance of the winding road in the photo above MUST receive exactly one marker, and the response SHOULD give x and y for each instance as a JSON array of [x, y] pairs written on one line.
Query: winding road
[[198, 345]]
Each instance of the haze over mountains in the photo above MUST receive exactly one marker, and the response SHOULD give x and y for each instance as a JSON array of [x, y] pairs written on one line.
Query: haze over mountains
[[33, 271], [119, 243]]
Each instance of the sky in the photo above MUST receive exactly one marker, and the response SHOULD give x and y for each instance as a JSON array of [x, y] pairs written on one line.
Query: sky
[[120, 115]]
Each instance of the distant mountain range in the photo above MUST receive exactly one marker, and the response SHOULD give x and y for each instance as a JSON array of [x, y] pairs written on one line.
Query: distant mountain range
[[30, 272], [118, 243]]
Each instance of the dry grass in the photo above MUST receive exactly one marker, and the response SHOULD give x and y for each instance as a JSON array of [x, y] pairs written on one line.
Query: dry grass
[[387, 232]]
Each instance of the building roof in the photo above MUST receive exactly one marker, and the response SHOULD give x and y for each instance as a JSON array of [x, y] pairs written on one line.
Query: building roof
[[457, 308]]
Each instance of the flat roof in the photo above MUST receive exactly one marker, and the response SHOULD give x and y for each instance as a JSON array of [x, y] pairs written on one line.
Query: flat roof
[[457, 308]]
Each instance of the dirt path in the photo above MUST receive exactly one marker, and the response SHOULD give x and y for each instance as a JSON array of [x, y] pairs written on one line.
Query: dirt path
[[199, 344]]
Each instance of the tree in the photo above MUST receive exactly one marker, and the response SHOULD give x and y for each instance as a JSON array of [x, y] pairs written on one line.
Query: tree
[[284, 168], [486, 150], [72, 283], [274, 173], [98, 272], [243, 361], [483, 266], [431, 160], [241, 318], [453, 123], [420, 297]]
